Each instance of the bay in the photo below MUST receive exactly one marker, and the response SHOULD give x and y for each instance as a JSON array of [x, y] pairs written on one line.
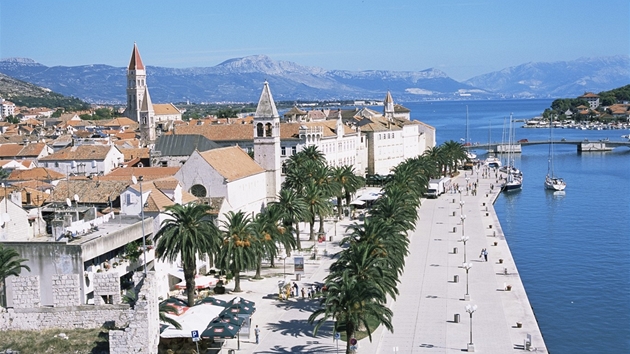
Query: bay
[[572, 250]]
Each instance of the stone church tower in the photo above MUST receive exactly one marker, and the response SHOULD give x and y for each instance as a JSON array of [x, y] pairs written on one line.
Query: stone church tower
[[139, 105], [388, 110], [267, 141]]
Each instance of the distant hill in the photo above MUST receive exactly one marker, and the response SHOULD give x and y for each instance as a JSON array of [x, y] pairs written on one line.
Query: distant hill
[[240, 79], [558, 79], [25, 94]]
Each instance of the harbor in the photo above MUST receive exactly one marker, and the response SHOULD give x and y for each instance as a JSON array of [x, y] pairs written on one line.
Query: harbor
[[442, 276]]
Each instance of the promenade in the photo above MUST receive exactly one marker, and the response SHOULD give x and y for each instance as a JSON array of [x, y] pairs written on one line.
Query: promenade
[[430, 296]]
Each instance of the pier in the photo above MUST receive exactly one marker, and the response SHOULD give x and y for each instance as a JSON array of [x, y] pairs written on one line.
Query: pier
[[581, 145]]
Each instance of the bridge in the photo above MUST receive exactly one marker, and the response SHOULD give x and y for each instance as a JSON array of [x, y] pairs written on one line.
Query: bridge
[[582, 145]]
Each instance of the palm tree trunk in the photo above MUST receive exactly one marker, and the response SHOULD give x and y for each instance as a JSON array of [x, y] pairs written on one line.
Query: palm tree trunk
[[321, 224], [189, 276], [258, 266], [297, 236], [349, 335], [339, 206], [311, 223], [237, 281]]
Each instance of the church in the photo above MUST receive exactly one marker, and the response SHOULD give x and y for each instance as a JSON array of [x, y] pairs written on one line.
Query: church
[[153, 119]]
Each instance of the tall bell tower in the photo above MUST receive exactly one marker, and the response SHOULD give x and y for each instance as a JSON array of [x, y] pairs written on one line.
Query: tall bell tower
[[136, 85], [267, 141]]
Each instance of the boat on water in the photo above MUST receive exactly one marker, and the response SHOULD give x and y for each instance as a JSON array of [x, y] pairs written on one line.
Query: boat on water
[[514, 178], [492, 161], [552, 182]]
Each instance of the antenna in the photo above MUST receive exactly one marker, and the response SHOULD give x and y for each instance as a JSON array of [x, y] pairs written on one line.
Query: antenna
[[76, 198], [134, 179], [68, 202]]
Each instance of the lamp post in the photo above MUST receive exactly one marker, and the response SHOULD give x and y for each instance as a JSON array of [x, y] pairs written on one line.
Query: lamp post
[[461, 205], [471, 309], [144, 242], [467, 267], [464, 239], [283, 256], [467, 187]]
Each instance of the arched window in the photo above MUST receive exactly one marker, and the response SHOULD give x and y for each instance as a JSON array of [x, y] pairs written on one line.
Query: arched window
[[268, 129], [259, 129], [198, 191]]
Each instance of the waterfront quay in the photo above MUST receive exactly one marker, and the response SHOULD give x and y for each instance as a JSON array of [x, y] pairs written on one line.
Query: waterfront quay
[[430, 313]]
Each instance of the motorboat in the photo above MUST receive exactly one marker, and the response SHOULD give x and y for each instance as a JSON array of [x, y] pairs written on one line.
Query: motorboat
[[492, 161]]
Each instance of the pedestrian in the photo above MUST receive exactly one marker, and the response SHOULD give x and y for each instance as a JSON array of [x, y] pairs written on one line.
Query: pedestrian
[[303, 293], [485, 254], [295, 288], [257, 333]]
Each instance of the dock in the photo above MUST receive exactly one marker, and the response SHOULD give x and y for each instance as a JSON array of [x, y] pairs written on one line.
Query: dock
[[430, 312]]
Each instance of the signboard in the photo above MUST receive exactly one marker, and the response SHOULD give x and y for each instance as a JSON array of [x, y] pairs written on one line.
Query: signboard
[[337, 336], [298, 264], [195, 336], [353, 341]]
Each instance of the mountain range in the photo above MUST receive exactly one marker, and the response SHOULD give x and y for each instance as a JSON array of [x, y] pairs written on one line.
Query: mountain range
[[240, 79]]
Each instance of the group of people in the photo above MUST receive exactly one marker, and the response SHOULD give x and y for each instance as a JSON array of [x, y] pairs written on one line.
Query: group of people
[[484, 254]]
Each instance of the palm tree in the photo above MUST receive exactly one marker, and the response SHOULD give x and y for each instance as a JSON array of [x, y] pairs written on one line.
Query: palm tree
[[292, 209], [436, 155], [269, 233], [317, 205], [10, 264], [187, 234], [348, 183], [455, 153], [238, 251], [352, 303]]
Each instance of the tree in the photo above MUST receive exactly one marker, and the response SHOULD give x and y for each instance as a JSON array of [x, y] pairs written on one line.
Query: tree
[[269, 233], [188, 234], [352, 304], [166, 308], [10, 264], [292, 209], [238, 250], [317, 204]]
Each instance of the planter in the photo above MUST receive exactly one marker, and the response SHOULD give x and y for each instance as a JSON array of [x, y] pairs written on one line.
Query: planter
[[519, 325], [500, 260], [508, 288], [496, 243]]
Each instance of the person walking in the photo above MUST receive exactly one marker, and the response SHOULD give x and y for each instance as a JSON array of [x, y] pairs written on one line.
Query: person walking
[[257, 333], [303, 293]]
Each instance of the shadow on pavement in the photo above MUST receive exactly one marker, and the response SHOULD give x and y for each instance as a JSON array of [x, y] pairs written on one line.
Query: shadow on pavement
[[317, 348]]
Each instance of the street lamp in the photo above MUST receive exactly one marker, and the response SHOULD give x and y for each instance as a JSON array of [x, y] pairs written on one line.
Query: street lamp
[[464, 239], [467, 267], [463, 218], [461, 205], [467, 187], [471, 309], [144, 242]]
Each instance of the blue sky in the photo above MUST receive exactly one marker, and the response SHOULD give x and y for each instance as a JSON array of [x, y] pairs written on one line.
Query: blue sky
[[462, 38]]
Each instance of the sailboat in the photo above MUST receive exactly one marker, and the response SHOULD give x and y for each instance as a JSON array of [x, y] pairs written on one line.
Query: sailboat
[[491, 161], [514, 178], [551, 181], [469, 154]]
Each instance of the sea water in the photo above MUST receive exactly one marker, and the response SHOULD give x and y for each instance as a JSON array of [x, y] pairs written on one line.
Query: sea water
[[572, 249]]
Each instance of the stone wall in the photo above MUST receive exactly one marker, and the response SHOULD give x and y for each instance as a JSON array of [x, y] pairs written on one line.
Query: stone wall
[[85, 316], [106, 288], [142, 335], [66, 290], [26, 292]]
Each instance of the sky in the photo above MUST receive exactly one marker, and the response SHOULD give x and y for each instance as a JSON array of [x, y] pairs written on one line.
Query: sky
[[462, 38]]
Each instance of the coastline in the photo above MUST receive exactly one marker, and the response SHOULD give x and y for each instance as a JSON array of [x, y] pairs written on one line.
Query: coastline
[[430, 299], [424, 312]]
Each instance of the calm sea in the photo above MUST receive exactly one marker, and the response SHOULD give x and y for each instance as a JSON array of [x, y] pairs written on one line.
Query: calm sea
[[572, 250]]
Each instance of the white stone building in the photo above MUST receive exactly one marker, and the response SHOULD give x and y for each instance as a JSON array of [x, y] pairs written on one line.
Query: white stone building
[[84, 159]]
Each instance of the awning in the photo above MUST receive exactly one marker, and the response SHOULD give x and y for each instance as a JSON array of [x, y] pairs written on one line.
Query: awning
[[196, 318], [370, 196], [201, 282], [357, 202]]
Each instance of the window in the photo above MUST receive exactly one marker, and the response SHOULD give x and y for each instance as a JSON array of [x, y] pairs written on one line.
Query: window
[[293, 150], [259, 130], [268, 129], [198, 191], [283, 150]]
